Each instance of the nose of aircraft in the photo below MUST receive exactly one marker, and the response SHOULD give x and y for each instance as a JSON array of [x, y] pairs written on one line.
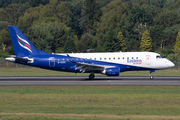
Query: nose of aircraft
[[171, 64]]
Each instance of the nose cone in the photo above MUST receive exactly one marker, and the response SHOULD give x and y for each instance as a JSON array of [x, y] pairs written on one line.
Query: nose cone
[[171, 64]]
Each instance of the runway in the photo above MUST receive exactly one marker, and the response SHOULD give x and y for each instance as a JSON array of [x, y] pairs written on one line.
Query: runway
[[83, 80]]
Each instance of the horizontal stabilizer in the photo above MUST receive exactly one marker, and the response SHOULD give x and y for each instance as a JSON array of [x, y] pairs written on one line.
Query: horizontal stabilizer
[[22, 59], [12, 58]]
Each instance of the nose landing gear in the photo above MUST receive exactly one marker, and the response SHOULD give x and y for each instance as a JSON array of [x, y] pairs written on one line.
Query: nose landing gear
[[150, 76]]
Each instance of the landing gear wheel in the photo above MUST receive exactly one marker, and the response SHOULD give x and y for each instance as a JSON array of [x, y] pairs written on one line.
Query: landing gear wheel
[[151, 77], [91, 76]]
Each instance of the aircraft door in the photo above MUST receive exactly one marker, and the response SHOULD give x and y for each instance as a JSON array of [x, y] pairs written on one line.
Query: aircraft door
[[51, 61], [148, 59]]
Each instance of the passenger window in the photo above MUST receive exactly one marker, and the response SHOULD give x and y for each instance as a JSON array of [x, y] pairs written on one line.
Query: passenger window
[[100, 58], [104, 58], [109, 58], [136, 57], [114, 58], [132, 57], [123, 58], [127, 57], [118, 58]]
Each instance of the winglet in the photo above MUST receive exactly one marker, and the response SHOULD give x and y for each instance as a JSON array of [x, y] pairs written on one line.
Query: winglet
[[71, 59]]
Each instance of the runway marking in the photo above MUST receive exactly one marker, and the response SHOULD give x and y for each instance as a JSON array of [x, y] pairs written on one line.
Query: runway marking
[[92, 116]]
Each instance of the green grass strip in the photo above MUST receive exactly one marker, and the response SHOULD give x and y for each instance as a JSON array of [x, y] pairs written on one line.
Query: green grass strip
[[31, 71], [92, 100]]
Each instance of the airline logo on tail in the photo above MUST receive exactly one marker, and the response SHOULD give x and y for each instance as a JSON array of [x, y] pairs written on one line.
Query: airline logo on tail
[[23, 43]]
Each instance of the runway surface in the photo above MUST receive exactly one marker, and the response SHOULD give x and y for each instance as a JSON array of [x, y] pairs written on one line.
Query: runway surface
[[83, 80]]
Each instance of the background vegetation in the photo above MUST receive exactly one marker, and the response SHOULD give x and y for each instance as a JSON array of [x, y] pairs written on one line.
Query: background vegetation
[[97, 25]]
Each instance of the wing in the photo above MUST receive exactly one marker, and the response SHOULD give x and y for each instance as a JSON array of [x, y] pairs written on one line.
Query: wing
[[85, 67]]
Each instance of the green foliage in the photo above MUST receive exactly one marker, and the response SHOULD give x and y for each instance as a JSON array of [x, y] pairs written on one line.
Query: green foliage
[[111, 44], [56, 9], [165, 52], [70, 45], [86, 42], [11, 13], [5, 43], [5, 40], [146, 42], [28, 18], [163, 18], [35, 3], [177, 45], [5, 3], [136, 16], [173, 57], [114, 14], [91, 13], [156, 33], [49, 36], [133, 17], [75, 15], [169, 35], [122, 43]]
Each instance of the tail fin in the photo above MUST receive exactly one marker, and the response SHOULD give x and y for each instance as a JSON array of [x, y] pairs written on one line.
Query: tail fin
[[22, 46]]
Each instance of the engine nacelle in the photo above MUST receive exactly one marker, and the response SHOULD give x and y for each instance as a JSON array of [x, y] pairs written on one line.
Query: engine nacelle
[[111, 71]]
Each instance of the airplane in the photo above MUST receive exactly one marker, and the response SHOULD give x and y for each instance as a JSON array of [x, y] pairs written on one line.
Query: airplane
[[107, 63]]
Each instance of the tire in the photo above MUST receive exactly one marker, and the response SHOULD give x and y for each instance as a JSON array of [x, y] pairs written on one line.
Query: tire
[[91, 77]]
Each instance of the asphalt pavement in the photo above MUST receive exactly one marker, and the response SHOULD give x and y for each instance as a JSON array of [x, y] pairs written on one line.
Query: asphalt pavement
[[83, 80]]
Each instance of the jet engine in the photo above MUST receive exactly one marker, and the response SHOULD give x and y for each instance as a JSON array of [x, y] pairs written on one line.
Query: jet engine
[[114, 71]]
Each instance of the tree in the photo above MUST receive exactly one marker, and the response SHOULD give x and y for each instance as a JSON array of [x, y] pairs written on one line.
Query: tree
[[5, 41], [13, 12], [170, 34], [56, 9], [111, 43], [35, 3], [86, 42], [177, 45], [114, 14], [75, 15], [121, 41], [91, 12], [50, 36], [146, 42], [167, 18], [31, 15], [70, 45]]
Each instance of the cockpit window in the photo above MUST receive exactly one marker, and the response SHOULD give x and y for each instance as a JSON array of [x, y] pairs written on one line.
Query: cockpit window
[[162, 56], [159, 56]]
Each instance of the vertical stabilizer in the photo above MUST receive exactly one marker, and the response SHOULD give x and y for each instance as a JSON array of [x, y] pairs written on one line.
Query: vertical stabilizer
[[22, 46]]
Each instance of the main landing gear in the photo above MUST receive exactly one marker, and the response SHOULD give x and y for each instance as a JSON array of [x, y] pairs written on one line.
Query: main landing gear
[[91, 76], [150, 76]]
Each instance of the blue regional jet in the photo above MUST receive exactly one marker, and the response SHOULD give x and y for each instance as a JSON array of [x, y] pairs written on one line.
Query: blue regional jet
[[108, 63]]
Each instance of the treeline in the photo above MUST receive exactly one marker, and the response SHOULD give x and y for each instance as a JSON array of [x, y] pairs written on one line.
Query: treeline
[[93, 25]]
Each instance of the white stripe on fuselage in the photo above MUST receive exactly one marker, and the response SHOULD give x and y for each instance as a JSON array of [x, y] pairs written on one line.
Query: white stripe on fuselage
[[138, 59]]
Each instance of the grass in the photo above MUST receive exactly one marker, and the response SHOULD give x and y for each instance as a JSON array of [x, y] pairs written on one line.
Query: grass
[[89, 102], [31, 71]]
